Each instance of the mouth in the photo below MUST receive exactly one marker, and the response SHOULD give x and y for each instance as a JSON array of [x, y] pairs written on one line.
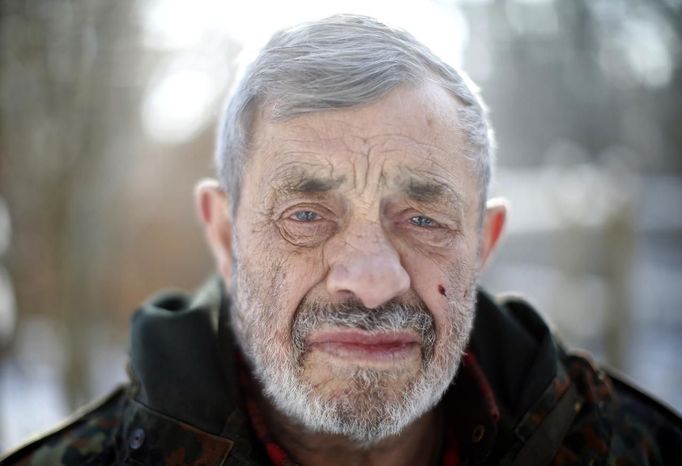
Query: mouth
[[357, 346]]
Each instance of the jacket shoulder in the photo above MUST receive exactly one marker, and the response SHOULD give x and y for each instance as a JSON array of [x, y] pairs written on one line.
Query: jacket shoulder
[[619, 421], [80, 440], [643, 423]]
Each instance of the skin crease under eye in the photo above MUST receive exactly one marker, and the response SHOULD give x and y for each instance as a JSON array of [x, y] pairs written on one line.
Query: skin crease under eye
[[305, 233], [303, 226]]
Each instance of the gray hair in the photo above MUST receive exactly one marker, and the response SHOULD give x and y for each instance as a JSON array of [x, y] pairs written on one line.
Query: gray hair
[[341, 61]]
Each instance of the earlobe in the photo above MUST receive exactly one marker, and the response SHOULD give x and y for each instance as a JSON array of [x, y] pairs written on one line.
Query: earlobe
[[493, 226], [214, 215]]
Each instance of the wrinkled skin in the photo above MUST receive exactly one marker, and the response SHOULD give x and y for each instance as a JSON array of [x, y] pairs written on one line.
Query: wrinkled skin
[[376, 205]]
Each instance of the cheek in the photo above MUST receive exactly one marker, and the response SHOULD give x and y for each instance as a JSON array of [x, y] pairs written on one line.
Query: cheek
[[441, 282], [280, 275], [286, 280], [305, 272]]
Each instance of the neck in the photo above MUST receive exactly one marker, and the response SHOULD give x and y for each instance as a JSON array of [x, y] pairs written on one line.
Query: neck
[[414, 445]]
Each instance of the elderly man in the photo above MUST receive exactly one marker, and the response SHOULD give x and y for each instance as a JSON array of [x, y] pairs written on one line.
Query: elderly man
[[349, 226]]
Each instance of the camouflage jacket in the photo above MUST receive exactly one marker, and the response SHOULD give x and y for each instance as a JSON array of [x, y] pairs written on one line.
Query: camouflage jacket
[[183, 406]]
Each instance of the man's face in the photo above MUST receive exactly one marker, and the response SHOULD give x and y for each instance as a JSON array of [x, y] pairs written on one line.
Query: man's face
[[356, 247]]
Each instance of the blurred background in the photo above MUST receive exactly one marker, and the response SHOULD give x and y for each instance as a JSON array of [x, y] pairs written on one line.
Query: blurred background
[[107, 120]]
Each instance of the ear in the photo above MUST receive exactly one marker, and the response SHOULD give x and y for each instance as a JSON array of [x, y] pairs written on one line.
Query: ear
[[213, 207], [493, 225]]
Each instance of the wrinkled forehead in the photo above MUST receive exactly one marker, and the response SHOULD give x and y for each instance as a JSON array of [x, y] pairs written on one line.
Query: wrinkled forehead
[[353, 162], [407, 138]]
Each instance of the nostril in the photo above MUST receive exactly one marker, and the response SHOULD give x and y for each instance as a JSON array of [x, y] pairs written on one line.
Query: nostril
[[345, 295]]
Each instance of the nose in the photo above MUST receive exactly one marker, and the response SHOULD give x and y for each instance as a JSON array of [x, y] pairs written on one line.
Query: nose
[[368, 268]]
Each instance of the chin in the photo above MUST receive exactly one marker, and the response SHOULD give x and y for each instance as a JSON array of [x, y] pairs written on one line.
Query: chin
[[363, 404]]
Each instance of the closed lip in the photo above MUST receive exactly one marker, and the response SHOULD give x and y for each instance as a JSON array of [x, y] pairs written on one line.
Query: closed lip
[[354, 337]]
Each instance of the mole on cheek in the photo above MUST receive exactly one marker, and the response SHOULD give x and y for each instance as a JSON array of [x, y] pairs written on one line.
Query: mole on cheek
[[441, 290]]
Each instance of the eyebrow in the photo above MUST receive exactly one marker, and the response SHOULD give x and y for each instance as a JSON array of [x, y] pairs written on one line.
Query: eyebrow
[[313, 184], [301, 181], [431, 191]]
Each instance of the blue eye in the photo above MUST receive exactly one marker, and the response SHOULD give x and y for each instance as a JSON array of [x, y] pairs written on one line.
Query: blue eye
[[422, 221], [305, 216]]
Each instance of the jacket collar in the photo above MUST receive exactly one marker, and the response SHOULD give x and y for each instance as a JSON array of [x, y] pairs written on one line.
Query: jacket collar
[[184, 375]]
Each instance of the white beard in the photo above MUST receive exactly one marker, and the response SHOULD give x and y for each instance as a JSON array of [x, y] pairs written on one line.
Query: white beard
[[369, 408]]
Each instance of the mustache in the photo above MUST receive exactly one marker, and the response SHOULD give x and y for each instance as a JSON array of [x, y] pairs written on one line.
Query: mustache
[[390, 317]]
